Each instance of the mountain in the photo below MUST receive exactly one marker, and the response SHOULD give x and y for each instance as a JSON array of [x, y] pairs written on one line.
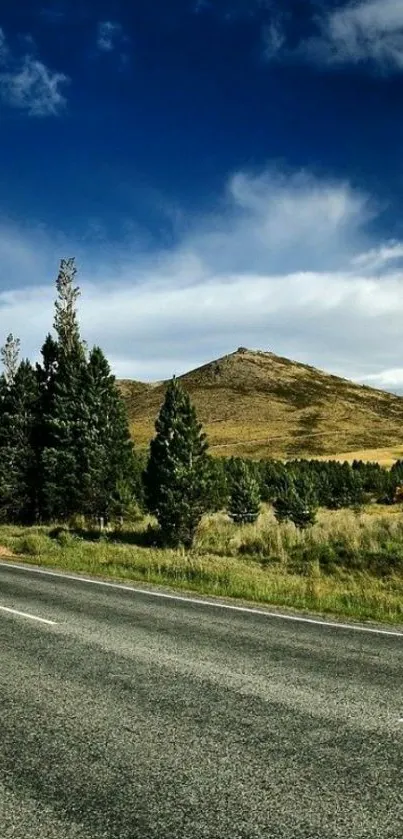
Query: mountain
[[258, 404]]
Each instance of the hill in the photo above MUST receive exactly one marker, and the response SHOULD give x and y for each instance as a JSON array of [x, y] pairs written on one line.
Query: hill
[[258, 404]]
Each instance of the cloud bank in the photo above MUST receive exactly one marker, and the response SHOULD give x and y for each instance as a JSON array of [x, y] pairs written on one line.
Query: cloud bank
[[285, 263]]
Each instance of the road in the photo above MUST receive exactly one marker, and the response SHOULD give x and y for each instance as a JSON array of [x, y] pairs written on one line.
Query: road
[[131, 715]]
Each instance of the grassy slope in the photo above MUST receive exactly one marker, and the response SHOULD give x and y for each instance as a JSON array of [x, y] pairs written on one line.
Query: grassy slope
[[258, 404]]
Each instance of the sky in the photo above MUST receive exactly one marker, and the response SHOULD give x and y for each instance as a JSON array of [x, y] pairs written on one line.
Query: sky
[[226, 172]]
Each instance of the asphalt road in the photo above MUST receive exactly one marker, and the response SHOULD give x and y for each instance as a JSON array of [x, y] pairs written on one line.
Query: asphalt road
[[139, 716]]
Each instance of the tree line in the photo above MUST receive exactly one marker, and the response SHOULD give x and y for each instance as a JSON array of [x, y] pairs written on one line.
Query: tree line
[[66, 449]]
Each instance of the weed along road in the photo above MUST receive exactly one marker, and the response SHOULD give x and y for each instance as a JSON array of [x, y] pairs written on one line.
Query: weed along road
[[125, 714]]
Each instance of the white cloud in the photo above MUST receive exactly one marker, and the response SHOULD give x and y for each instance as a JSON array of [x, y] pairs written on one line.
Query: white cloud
[[27, 84], [33, 88], [109, 35], [387, 379], [283, 265], [378, 257], [368, 31]]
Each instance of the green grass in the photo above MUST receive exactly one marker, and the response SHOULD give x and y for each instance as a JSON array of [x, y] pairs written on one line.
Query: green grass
[[349, 565]]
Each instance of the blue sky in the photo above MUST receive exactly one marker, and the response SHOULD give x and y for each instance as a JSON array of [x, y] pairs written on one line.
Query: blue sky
[[226, 172]]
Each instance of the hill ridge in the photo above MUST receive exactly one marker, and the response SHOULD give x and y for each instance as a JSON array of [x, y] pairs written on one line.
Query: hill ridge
[[260, 404]]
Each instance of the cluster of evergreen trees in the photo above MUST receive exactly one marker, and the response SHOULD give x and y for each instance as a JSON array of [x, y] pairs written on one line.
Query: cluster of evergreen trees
[[66, 450], [65, 446]]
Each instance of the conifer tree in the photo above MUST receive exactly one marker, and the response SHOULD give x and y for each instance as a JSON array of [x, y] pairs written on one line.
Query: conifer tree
[[298, 503], [66, 322], [105, 452], [62, 419], [244, 502], [218, 486], [18, 397], [10, 357], [176, 476], [86, 460]]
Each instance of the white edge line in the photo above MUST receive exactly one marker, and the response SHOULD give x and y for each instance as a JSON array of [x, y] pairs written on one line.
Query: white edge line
[[27, 615], [199, 602]]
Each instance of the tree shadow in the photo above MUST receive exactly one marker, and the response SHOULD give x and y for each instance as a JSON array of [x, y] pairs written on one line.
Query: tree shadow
[[149, 538]]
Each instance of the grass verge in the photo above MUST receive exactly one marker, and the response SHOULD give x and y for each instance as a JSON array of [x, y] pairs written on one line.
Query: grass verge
[[348, 566]]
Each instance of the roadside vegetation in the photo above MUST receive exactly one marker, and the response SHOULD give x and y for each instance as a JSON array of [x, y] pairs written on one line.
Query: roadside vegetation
[[75, 494], [347, 565]]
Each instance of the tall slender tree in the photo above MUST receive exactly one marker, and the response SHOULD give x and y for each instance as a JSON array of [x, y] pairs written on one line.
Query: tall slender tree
[[86, 454], [62, 375], [66, 321]]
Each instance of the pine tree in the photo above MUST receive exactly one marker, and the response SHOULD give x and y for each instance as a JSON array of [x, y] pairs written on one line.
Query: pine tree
[[105, 449], [298, 503], [303, 512], [66, 322], [63, 427], [86, 462], [61, 380], [46, 373], [244, 502], [283, 505], [18, 397], [218, 491], [176, 477]]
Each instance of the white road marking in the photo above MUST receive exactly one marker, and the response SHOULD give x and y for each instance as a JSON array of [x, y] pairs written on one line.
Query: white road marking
[[199, 602], [27, 615]]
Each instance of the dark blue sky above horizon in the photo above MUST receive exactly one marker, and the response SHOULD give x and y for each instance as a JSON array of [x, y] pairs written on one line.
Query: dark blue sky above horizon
[[123, 124], [193, 101]]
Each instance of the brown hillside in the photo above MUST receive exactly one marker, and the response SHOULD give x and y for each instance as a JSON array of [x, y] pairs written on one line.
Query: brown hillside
[[258, 404]]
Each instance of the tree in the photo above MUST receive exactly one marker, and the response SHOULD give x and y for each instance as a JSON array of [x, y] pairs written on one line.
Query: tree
[[176, 476], [61, 378], [244, 502], [66, 321], [218, 489], [10, 355], [105, 452], [283, 505], [63, 431], [298, 503], [18, 397]]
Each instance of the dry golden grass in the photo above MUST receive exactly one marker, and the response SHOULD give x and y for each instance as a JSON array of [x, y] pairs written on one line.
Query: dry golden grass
[[257, 404], [369, 529], [385, 457]]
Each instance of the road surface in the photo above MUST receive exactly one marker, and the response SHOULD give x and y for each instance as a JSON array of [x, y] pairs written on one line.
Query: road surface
[[128, 715]]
